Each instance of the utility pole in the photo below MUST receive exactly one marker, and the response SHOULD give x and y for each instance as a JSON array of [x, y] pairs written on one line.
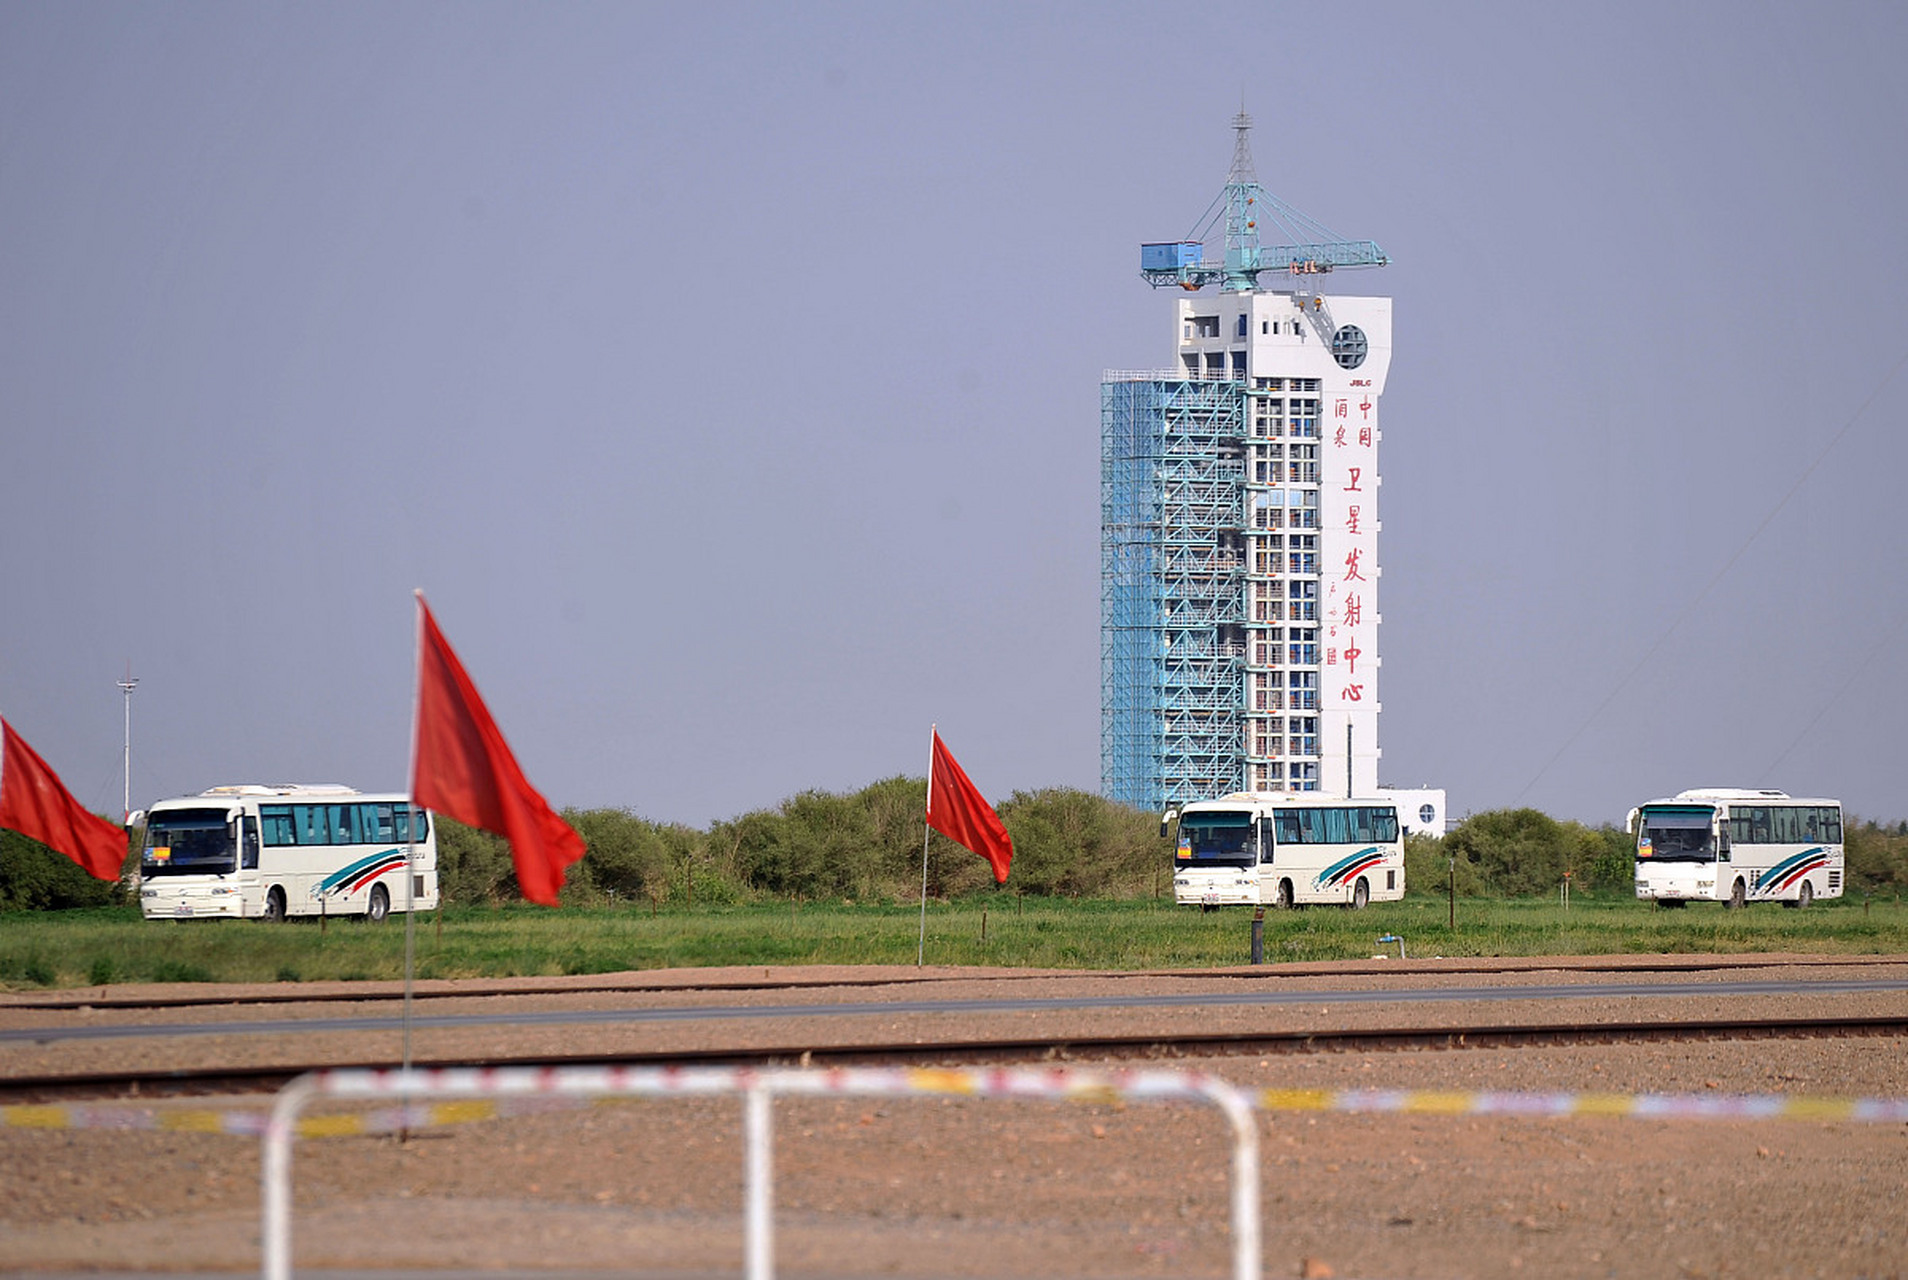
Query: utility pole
[[127, 686]]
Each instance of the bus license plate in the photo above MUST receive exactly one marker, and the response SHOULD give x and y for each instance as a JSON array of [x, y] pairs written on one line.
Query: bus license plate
[[183, 909]]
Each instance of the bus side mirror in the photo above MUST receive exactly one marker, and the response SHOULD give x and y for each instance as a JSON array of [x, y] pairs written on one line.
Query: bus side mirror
[[134, 819], [1166, 823]]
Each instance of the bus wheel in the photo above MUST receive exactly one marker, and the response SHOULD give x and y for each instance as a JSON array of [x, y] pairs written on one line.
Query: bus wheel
[[1361, 894], [1285, 895], [1736, 897], [380, 904], [275, 905], [1804, 896]]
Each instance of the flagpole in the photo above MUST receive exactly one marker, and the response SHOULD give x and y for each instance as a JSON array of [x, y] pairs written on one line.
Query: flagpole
[[410, 845], [920, 951]]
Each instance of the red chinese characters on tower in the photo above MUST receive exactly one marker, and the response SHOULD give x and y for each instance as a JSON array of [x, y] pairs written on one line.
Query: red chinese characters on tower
[[1348, 677]]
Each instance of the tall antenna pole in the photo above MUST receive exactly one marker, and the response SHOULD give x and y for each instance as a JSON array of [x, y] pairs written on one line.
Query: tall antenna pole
[[1242, 212], [127, 686]]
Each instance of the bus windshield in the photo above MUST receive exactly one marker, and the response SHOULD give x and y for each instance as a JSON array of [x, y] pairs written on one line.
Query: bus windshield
[[1222, 839], [1676, 833], [188, 842]]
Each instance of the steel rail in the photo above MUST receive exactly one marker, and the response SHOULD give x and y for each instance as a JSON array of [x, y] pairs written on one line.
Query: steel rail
[[200, 1082], [482, 988]]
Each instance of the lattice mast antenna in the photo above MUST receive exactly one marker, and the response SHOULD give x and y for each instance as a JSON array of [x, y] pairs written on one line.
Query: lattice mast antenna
[[1242, 223], [1304, 247]]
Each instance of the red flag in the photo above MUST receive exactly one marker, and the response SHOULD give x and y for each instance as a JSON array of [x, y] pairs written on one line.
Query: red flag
[[462, 767], [958, 810], [35, 803]]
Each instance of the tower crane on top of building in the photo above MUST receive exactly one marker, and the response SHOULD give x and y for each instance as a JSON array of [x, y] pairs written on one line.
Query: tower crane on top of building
[[1310, 249]]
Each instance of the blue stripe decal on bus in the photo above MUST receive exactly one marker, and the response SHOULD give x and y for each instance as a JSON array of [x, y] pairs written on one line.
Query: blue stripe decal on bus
[[366, 868], [1344, 867], [1778, 877]]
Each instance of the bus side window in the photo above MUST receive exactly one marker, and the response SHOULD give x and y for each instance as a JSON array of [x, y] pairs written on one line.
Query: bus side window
[[248, 844], [277, 821], [412, 826], [309, 820], [1266, 844]]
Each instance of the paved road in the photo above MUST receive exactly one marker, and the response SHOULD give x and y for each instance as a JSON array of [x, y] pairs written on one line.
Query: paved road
[[503, 1016]]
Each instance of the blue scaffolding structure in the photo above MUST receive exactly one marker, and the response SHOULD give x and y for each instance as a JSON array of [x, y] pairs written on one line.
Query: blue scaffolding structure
[[1184, 715], [1172, 636]]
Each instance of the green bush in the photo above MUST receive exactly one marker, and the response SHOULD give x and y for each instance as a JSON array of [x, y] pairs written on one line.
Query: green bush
[[1075, 844], [818, 844], [473, 865], [35, 878], [1429, 869], [1876, 857], [866, 846], [628, 857], [1521, 853]]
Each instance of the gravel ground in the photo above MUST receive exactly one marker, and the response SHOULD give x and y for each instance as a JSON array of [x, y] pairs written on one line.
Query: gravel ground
[[969, 1187]]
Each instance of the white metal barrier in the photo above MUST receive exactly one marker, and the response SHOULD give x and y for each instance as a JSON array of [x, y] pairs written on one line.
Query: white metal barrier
[[758, 1088]]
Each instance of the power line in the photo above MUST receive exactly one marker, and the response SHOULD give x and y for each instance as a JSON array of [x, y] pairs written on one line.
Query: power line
[[1854, 673], [1720, 574]]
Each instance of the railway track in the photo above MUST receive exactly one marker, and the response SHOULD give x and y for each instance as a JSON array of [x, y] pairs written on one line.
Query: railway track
[[202, 1082], [464, 989]]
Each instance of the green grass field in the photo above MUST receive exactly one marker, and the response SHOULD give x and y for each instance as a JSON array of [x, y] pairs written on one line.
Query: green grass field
[[80, 948]]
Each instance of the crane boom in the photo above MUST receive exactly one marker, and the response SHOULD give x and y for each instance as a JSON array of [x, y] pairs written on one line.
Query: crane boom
[[1310, 248]]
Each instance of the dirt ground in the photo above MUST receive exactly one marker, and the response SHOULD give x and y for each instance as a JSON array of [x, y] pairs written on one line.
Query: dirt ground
[[978, 1187]]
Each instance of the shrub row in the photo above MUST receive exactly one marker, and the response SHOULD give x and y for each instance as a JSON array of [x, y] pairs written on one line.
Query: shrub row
[[866, 846], [863, 846]]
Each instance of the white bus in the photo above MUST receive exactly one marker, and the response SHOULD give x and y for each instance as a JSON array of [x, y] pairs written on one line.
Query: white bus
[[257, 852], [1262, 848], [1735, 847]]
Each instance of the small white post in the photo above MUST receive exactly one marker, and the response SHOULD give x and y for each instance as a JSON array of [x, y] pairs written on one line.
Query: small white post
[[1246, 1262], [275, 1172], [759, 1211]]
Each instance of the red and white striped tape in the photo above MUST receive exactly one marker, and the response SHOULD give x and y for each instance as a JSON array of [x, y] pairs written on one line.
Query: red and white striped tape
[[498, 1093]]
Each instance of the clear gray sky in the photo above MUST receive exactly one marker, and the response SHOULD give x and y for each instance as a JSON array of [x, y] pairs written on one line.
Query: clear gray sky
[[727, 377]]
